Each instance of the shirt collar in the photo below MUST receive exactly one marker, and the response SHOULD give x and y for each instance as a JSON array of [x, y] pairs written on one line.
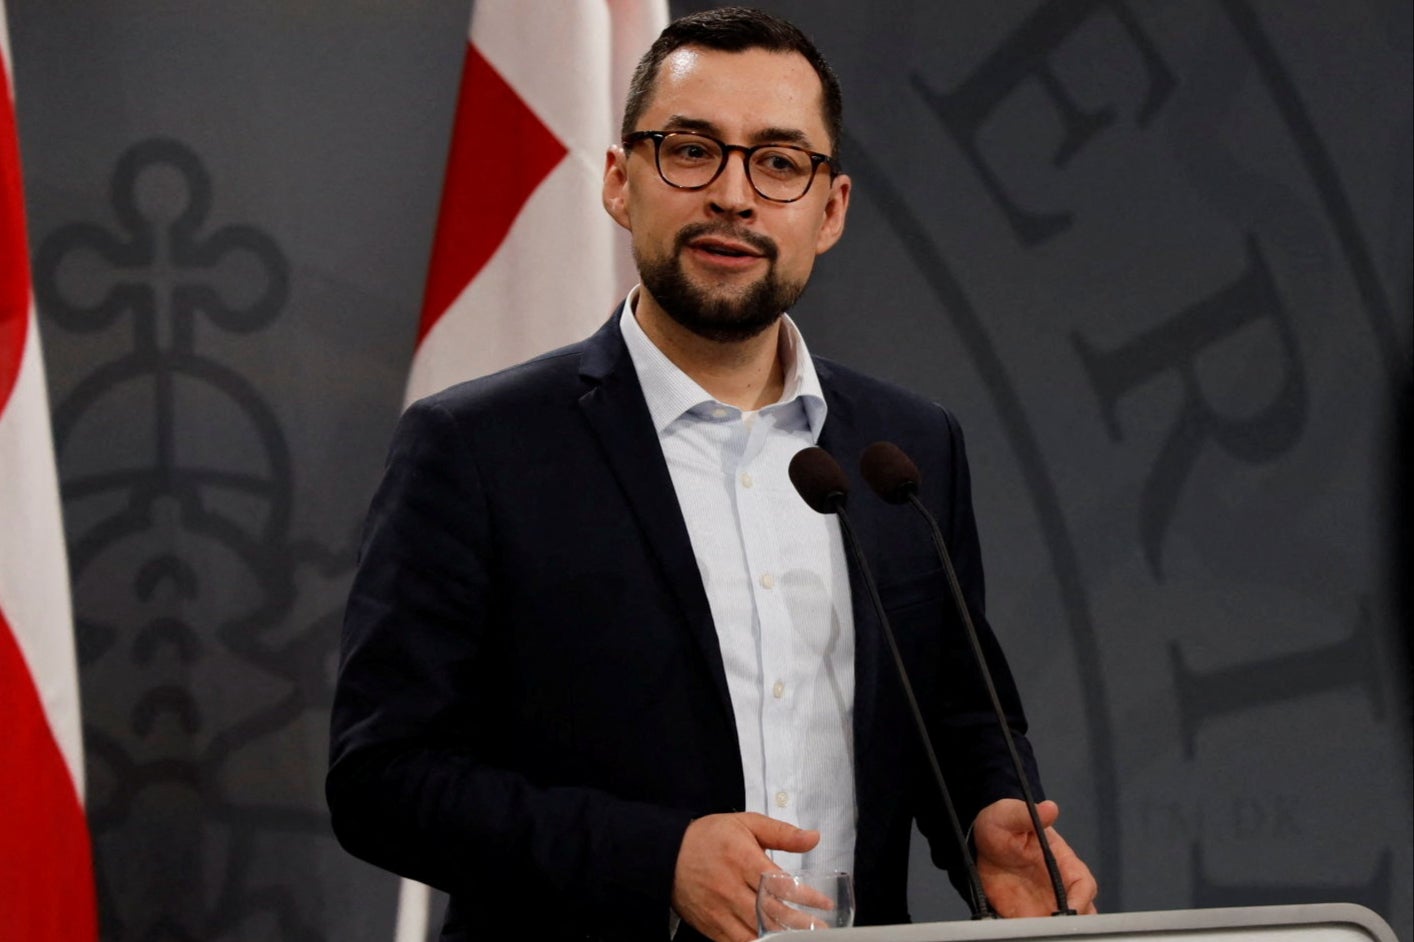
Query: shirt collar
[[671, 393]]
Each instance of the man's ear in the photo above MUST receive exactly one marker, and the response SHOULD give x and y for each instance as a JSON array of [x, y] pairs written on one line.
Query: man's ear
[[615, 195], [836, 207]]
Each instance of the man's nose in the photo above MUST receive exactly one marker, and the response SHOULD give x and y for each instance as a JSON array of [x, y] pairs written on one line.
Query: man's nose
[[732, 191]]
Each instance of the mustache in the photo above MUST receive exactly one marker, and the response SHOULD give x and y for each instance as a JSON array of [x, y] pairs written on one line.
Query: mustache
[[763, 244]]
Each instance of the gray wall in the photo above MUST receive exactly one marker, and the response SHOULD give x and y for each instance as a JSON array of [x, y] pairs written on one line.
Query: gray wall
[[1156, 255]]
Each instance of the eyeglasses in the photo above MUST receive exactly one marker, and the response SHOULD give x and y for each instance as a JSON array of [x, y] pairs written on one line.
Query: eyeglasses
[[781, 173]]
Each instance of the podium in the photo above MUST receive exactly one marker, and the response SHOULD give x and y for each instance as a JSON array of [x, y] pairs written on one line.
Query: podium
[[1318, 922]]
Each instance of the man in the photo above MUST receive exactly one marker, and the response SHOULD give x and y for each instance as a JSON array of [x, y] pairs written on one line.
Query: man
[[601, 666]]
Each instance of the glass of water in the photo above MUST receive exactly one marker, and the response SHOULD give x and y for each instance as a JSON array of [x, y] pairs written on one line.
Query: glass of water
[[804, 900]]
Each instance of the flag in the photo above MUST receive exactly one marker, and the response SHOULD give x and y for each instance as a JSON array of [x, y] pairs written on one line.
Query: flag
[[46, 866], [525, 259]]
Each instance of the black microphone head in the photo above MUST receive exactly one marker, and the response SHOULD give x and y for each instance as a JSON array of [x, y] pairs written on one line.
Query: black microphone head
[[890, 472], [819, 479]]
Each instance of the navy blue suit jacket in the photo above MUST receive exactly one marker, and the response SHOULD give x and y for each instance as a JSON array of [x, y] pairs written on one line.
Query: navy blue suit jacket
[[531, 704]]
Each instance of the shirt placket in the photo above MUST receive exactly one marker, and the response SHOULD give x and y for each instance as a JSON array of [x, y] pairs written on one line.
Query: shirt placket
[[781, 765]]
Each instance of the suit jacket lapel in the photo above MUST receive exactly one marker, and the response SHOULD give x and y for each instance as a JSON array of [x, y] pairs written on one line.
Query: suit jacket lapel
[[615, 409]]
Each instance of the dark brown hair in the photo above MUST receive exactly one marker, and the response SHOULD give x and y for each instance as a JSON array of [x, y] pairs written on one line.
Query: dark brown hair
[[733, 29]]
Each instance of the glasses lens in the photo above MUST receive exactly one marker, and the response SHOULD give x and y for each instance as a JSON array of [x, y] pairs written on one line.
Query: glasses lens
[[781, 173], [689, 159]]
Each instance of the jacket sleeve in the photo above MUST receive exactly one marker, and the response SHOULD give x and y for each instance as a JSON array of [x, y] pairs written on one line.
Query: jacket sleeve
[[418, 780]]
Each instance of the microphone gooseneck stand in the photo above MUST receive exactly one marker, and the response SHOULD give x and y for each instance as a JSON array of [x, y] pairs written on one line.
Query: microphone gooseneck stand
[[894, 477], [821, 482]]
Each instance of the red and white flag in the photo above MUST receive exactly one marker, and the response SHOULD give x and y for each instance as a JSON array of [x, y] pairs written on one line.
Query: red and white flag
[[525, 258], [46, 866]]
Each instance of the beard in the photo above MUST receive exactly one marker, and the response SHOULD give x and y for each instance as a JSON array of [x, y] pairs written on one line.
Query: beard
[[719, 317]]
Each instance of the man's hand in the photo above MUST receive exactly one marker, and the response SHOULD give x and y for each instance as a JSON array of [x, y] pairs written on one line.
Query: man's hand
[[719, 864], [1013, 870]]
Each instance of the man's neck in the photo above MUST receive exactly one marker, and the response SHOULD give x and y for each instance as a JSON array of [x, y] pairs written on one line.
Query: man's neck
[[742, 373]]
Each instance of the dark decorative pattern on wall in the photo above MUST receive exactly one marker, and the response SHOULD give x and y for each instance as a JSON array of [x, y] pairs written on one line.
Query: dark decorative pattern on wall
[[203, 676]]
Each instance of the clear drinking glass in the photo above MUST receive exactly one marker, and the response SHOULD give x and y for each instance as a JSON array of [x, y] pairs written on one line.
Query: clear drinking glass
[[798, 900]]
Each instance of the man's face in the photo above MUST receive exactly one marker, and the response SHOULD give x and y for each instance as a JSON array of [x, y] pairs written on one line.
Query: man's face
[[724, 261]]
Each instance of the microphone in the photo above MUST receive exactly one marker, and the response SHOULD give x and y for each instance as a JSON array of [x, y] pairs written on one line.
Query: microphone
[[819, 479], [894, 477], [822, 483]]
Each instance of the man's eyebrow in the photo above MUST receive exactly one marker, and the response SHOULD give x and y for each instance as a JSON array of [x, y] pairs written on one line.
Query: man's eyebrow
[[780, 136], [795, 136], [679, 122]]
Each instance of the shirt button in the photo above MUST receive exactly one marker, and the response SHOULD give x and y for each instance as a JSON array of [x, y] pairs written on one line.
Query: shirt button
[[768, 581], [746, 480], [719, 413], [782, 799], [778, 690]]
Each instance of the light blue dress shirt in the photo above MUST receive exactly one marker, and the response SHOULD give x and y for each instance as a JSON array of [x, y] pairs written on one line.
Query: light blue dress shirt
[[777, 584]]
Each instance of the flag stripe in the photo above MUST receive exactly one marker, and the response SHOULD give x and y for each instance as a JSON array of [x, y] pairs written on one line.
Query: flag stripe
[[500, 153], [46, 868], [34, 580]]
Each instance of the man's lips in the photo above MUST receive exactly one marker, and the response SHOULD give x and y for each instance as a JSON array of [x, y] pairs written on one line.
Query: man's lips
[[725, 248]]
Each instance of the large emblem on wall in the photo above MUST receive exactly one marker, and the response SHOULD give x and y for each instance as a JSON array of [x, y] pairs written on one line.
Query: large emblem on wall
[[204, 676], [1140, 253]]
